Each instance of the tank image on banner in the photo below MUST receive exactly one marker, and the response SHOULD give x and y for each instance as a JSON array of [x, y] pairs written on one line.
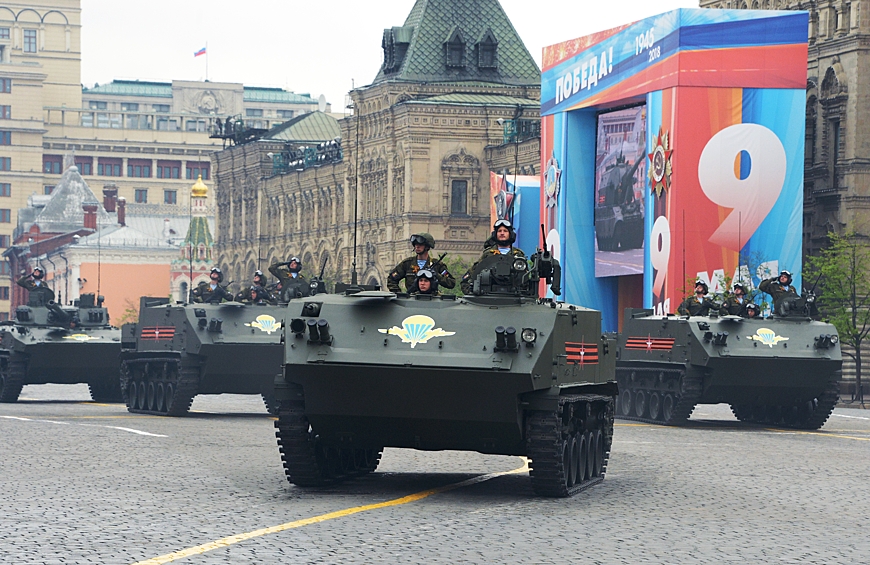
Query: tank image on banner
[[620, 172]]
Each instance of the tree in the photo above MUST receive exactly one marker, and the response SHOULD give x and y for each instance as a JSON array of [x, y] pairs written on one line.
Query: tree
[[457, 267], [844, 301], [131, 313]]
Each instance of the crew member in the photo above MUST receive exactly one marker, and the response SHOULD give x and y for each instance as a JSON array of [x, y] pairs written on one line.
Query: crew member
[[39, 291], [737, 303], [287, 271], [698, 304], [779, 288], [503, 236], [407, 270], [426, 282], [257, 292], [751, 311], [212, 292]]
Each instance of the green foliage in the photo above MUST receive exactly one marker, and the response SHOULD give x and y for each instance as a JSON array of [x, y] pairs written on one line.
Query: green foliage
[[131, 313], [457, 267]]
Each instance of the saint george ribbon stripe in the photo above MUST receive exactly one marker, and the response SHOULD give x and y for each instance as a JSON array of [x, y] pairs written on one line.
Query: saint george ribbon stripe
[[581, 353], [650, 343], [158, 332]]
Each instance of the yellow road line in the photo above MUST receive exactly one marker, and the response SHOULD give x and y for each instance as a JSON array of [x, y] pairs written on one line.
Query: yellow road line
[[823, 434], [224, 542]]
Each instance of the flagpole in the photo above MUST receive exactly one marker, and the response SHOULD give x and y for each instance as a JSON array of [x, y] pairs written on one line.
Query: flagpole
[[206, 61]]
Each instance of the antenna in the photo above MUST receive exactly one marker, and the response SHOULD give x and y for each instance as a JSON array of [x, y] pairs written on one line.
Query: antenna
[[190, 241], [353, 279], [739, 247], [99, 262], [684, 249]]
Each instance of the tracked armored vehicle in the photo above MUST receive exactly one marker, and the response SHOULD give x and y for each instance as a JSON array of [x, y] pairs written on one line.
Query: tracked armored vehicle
[[177, 351], [618, 214], [780, 371], [498, 372], [49, 343]]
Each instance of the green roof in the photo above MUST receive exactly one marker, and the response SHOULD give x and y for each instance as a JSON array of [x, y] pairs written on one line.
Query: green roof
[[133, 88], [313, 127], [262, 94], [199, 233], [432, 22], [478, 100]]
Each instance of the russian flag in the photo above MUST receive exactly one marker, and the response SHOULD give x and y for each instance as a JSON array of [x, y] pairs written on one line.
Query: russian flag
[[200, 52]]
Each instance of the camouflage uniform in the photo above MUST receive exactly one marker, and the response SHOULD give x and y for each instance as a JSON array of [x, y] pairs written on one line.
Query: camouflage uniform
[[408, 268], [204, 293], [36, 291], [735, 307], [692, 306], [775, 289], [468, 278], [256, 293]]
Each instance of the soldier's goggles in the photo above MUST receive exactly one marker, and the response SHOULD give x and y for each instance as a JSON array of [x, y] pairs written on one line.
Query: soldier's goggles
[[502, 224], [425, 273], [418, 240]]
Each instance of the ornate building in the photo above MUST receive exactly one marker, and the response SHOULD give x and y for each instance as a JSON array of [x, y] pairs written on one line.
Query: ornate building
[[195, 261], [837, 160], [413, 156]]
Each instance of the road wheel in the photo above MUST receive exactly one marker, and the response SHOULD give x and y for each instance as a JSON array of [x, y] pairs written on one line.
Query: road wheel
[[667, 407], [654, 405], [625, 402], [12, 375], [639, 404]]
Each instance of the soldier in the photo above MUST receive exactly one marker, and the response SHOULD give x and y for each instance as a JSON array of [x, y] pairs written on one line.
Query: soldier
[[779, 288], [407, 269], [751, 311], [257, 292], [40, 294], [503, 237], [426, 282], [290, 280], [736, 305], [697, 304], [212, 292]]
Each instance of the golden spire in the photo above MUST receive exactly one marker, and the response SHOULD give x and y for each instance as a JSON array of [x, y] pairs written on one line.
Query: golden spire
[[199, 190]]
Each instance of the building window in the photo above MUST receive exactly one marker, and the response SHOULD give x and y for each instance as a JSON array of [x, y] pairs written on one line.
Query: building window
[[5, 85], [5, 138], [85, 165], [5, 216], [458, 197], [196, 169], [254, 112], [97, 105], [5, 112], [487, 50], [4, 33], [107, 167], [30, 41], [4, 293], [5, 268], [140, 196], [195, 125], [47, 189], [163, 108], [5, 240], [285, 114], [129, 107], [167, 124], [170, 197], [52, 164], [169, 169], [5, 189], [138, 168], [5, 163]]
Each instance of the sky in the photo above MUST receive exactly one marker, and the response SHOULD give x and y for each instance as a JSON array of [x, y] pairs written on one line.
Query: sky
[[310, 47]]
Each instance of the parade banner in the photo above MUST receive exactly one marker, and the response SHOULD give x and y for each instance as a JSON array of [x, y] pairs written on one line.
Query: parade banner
[[720, 94], [515, 198]]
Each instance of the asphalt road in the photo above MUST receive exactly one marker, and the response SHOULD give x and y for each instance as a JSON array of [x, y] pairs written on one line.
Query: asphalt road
[[89, 483]]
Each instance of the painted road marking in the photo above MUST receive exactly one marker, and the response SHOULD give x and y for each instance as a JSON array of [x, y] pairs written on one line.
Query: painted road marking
[[231, 540], [131, 430], [823, 434], [853, 417]]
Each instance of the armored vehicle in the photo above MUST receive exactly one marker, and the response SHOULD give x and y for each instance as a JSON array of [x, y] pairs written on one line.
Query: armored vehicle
[[49, 343], [498, 372], [781, 371], [618, 214], [177, 351]]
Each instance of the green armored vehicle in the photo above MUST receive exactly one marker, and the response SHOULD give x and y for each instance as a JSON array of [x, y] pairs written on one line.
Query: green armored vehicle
[[780, 371], [49, 343], [177, 351], [618, 214], [498, 372]]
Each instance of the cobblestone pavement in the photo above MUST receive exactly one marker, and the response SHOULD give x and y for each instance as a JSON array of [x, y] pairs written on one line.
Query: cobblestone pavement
[[90, 483]]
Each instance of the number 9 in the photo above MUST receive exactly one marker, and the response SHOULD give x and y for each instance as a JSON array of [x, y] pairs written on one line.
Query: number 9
[[751, 198]]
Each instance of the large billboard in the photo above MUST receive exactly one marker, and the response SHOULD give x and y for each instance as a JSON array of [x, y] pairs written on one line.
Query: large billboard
[[515, 198], [718, 169], [620, 172]]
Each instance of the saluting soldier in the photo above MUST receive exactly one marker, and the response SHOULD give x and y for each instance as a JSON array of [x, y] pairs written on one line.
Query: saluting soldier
[[502, 237], [39, 291], [407, 270], [698, 304], [779, 288], [212, 292]]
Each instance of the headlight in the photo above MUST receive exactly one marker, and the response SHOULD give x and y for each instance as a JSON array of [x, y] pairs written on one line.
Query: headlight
[[520, 265], [529, 335], [835, 338]]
